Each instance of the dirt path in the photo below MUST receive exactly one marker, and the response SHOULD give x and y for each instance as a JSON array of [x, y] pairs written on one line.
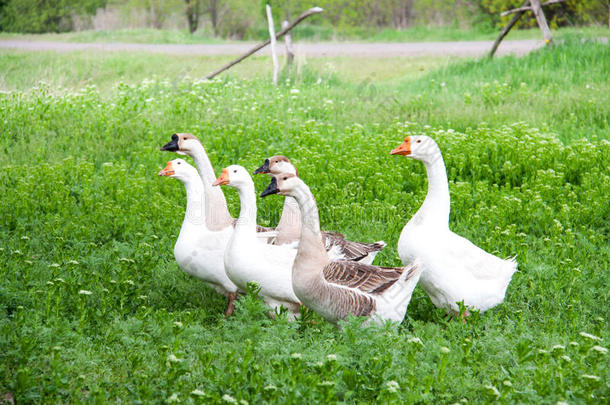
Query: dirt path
[[322, 49]]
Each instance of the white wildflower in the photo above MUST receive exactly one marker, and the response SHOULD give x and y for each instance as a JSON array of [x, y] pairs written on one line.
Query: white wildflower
[[558, 347], [392, 386], [590, 377], [445, 350], [171, 358], [600, 349], [296, 355], [493, 390], [198, 393], [566, 358], [590, 336], [415, 340], [85, 292], [228, 398], [178, 324], [331, 357], [294, 91], [173, 399]]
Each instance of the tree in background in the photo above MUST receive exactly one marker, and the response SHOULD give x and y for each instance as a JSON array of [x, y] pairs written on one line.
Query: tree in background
[[246, 18], [36, 16], [192, 14]]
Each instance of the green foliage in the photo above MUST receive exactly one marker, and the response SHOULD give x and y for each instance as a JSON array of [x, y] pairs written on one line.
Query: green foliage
[[570, 13], [43, 16], [94, 308]]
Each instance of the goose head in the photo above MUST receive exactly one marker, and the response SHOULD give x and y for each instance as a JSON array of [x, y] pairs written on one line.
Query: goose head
[[418, 147], [276, 165], [179, 169], [234, 176], [182, 144], [286, 184]]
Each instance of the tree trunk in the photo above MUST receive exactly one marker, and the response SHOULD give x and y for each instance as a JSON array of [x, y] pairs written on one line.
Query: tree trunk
[[214, 16], [152, 13], [192, 14]]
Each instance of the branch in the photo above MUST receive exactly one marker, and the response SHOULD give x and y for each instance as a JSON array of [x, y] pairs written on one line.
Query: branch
[[521, 9], [506, 29], [311, 11]]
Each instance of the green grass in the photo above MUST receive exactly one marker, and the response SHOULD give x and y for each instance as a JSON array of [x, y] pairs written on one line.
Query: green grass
[[83, 211], [75, 70], [307, 33]]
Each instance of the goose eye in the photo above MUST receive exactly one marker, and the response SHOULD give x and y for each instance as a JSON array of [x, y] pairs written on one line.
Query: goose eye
[[419, 141], [234, 171], [179, 163]]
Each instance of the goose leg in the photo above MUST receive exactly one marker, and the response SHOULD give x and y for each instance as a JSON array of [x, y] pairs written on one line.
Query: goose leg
[[230, 304]]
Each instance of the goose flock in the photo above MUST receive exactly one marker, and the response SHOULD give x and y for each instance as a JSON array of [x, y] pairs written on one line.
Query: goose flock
[[296, 263]]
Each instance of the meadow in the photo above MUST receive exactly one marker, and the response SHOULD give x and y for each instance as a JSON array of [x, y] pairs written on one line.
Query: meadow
[[93, 307]]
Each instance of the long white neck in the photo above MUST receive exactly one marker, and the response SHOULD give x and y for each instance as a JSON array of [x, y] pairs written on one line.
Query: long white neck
[[217, 212], [246, 222], [289, 226], [194, 216], [435, 208]]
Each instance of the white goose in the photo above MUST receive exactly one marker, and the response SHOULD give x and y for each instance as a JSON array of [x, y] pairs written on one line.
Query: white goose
[[336, 289], [198, 250], [218, 216], [289, 226], [249, 259], [454, 269]]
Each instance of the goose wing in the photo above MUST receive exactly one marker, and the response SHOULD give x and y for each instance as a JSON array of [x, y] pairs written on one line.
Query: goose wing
[[364, 277], [350, 250]]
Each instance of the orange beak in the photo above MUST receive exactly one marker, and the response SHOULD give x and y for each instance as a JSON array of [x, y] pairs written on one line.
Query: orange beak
[[404, 148], [223, 179], [168, 171]]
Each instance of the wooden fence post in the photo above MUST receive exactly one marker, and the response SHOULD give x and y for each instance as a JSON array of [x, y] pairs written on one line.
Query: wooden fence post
[[310, 12], [276, 66], [288, 41], [539, 14]]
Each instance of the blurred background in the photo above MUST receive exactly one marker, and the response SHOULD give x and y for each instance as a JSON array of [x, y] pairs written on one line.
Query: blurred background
[[245, 19]]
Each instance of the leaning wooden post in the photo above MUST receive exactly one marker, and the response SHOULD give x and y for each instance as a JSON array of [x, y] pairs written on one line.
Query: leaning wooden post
[[276, 66], [506, 29], [311, 11], [539, 14], [288, 41]]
